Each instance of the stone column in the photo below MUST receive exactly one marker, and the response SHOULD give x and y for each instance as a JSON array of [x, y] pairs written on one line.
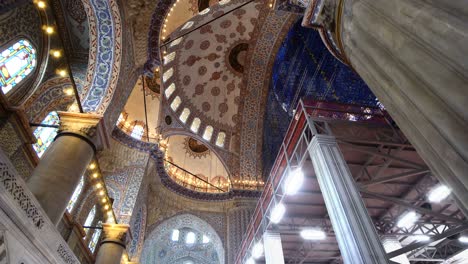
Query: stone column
[[413, 55], [112, 244], [391, 244], [273, 248], [65, 161], [357, 238]]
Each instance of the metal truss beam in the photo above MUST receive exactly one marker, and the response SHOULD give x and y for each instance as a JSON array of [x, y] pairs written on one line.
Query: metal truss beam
[[417, 245], [408, 205], [388, 156], [393, 177]]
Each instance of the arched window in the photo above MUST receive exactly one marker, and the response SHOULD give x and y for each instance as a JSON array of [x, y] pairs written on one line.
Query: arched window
[[203, 5], [175, 235], [45, 135], [187, 25], [208, 133], [190, 238], [75, 195], [195, 124], [16, 63], [137, 131], [175, 104], [95, 238], [169, 90], [168, 74], [176, 42], [170, 57], [220, 139], [90, 219], [184, 115]]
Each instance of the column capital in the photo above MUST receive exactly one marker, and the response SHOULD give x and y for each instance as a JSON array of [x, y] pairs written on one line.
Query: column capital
[[83, 125], [326, 17], [115, 233]]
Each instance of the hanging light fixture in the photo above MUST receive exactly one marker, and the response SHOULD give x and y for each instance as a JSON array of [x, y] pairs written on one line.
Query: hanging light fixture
[[257, 250], [293, 181], [313, 234], [277, 213], [438, 194], [408, 219]]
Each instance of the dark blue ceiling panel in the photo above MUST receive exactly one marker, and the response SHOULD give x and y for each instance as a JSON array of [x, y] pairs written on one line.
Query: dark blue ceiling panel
[[305, 68]]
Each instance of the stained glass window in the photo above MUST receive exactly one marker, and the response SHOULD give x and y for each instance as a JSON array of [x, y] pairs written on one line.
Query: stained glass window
[[75, 195], [45, 135], [137, 131], [95, 238], [16, 63], [90, 218]]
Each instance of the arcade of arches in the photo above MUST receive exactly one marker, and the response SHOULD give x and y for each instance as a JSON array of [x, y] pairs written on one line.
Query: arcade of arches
[[233, 131]]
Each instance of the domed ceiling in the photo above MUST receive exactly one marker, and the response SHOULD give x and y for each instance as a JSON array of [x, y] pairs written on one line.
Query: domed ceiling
[[206, 65], [189, 155], [134, 110]]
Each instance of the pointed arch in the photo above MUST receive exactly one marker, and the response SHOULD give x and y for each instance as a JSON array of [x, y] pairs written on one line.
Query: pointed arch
[[162, 232]]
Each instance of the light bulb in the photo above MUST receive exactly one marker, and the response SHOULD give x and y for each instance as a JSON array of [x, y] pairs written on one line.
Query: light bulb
[[294, 181], [257, 250], [49, 29], [277, 213], [41, 4], [408, 220], [313, 234]]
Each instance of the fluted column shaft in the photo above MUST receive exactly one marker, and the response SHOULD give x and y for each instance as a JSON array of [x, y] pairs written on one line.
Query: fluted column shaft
[[357, 238], [412, 54], [65, 161], [112, 244]]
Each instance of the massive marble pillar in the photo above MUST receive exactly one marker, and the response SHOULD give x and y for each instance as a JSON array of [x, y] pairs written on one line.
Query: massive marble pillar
[[112, 244], [273, 248], [413, 56], [65, 161], [357, 238]]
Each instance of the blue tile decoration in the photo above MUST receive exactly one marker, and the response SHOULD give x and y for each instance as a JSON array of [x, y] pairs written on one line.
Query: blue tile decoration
[[305, 68], [104, 55]]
